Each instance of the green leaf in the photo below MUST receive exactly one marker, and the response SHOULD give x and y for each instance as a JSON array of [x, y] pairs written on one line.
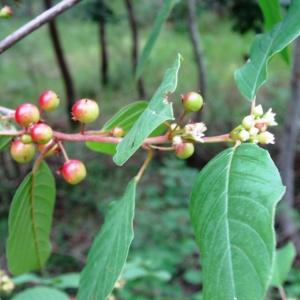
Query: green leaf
[[30, 218], [110, 248], [158, 111], [124, 118], [41, 293], [159, 21], [232, 211], [272, 16], [283, 263], [250, 77]]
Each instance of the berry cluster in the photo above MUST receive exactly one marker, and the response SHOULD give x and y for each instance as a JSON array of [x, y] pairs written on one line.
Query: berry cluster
[[38, 134]]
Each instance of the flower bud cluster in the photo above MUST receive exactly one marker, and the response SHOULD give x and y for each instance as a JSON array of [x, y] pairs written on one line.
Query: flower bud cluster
[[6, 284], [254, 127]]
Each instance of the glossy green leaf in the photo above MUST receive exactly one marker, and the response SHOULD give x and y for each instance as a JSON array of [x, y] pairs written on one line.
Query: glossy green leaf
[[232, 211], [283, 263], [158, 23], [110, 248], [41, 293], [158, 111], [250, 77], [30, 219], [272, 16], [124, 118]]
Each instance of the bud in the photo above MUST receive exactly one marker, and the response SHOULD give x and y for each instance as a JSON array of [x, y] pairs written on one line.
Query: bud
[[118, 132], [6, 12], [244, 135], [192, 101], [234, 134], [258, 111], [184, 150], [266, 138], [194, 131], [248, 122], [253, 131], [177, 140], [49, 101], [261, 126], [174, 126], [85, 111]]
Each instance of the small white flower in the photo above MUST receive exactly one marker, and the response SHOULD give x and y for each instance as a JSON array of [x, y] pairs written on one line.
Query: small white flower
[[258, 111], [177, 140], [266, 138], [195, 131], [248, 122], [244, 135], [269, 118]]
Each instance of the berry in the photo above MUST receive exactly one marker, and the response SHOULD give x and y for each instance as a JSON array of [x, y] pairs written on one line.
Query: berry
[[85, 111], [42, 148], [22, 153], [118, 132], [49, 101], [6, 12], [184, 150], [26, 139], [73, 171], [41, 133], [192, 101], [27, 114]]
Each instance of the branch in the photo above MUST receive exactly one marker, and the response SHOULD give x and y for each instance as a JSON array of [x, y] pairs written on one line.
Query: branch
[[36, 23]]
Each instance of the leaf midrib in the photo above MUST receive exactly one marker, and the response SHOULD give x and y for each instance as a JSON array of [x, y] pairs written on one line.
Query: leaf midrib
[[34, 225]]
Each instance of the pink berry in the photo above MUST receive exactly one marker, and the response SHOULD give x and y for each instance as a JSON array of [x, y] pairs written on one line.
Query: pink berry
[[49, 101], [73, 171], [85, 111], [41, 133], [27, 114]]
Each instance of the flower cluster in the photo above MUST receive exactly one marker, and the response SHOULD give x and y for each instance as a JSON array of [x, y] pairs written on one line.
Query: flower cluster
[[6, 284], [254, 127]]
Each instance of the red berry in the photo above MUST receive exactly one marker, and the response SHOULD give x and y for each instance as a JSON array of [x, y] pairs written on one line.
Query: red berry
[[85, 111], [22, 153], [73, 171], [27, 114], [192, 101], [184, 150], [49, 101], [41, 133]]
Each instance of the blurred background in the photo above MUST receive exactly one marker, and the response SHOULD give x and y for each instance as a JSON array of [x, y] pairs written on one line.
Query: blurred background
[[91, 52]]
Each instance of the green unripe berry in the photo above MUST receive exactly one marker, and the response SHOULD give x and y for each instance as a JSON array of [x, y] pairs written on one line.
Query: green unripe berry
[[184, 150], [26, 139], [22, 153], [192, 101]]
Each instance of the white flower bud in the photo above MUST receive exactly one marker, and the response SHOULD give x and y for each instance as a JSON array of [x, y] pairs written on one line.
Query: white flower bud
[[258, 111], [253, 131], [248, 122], [244, 135], [177, 140], [266, 138]]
